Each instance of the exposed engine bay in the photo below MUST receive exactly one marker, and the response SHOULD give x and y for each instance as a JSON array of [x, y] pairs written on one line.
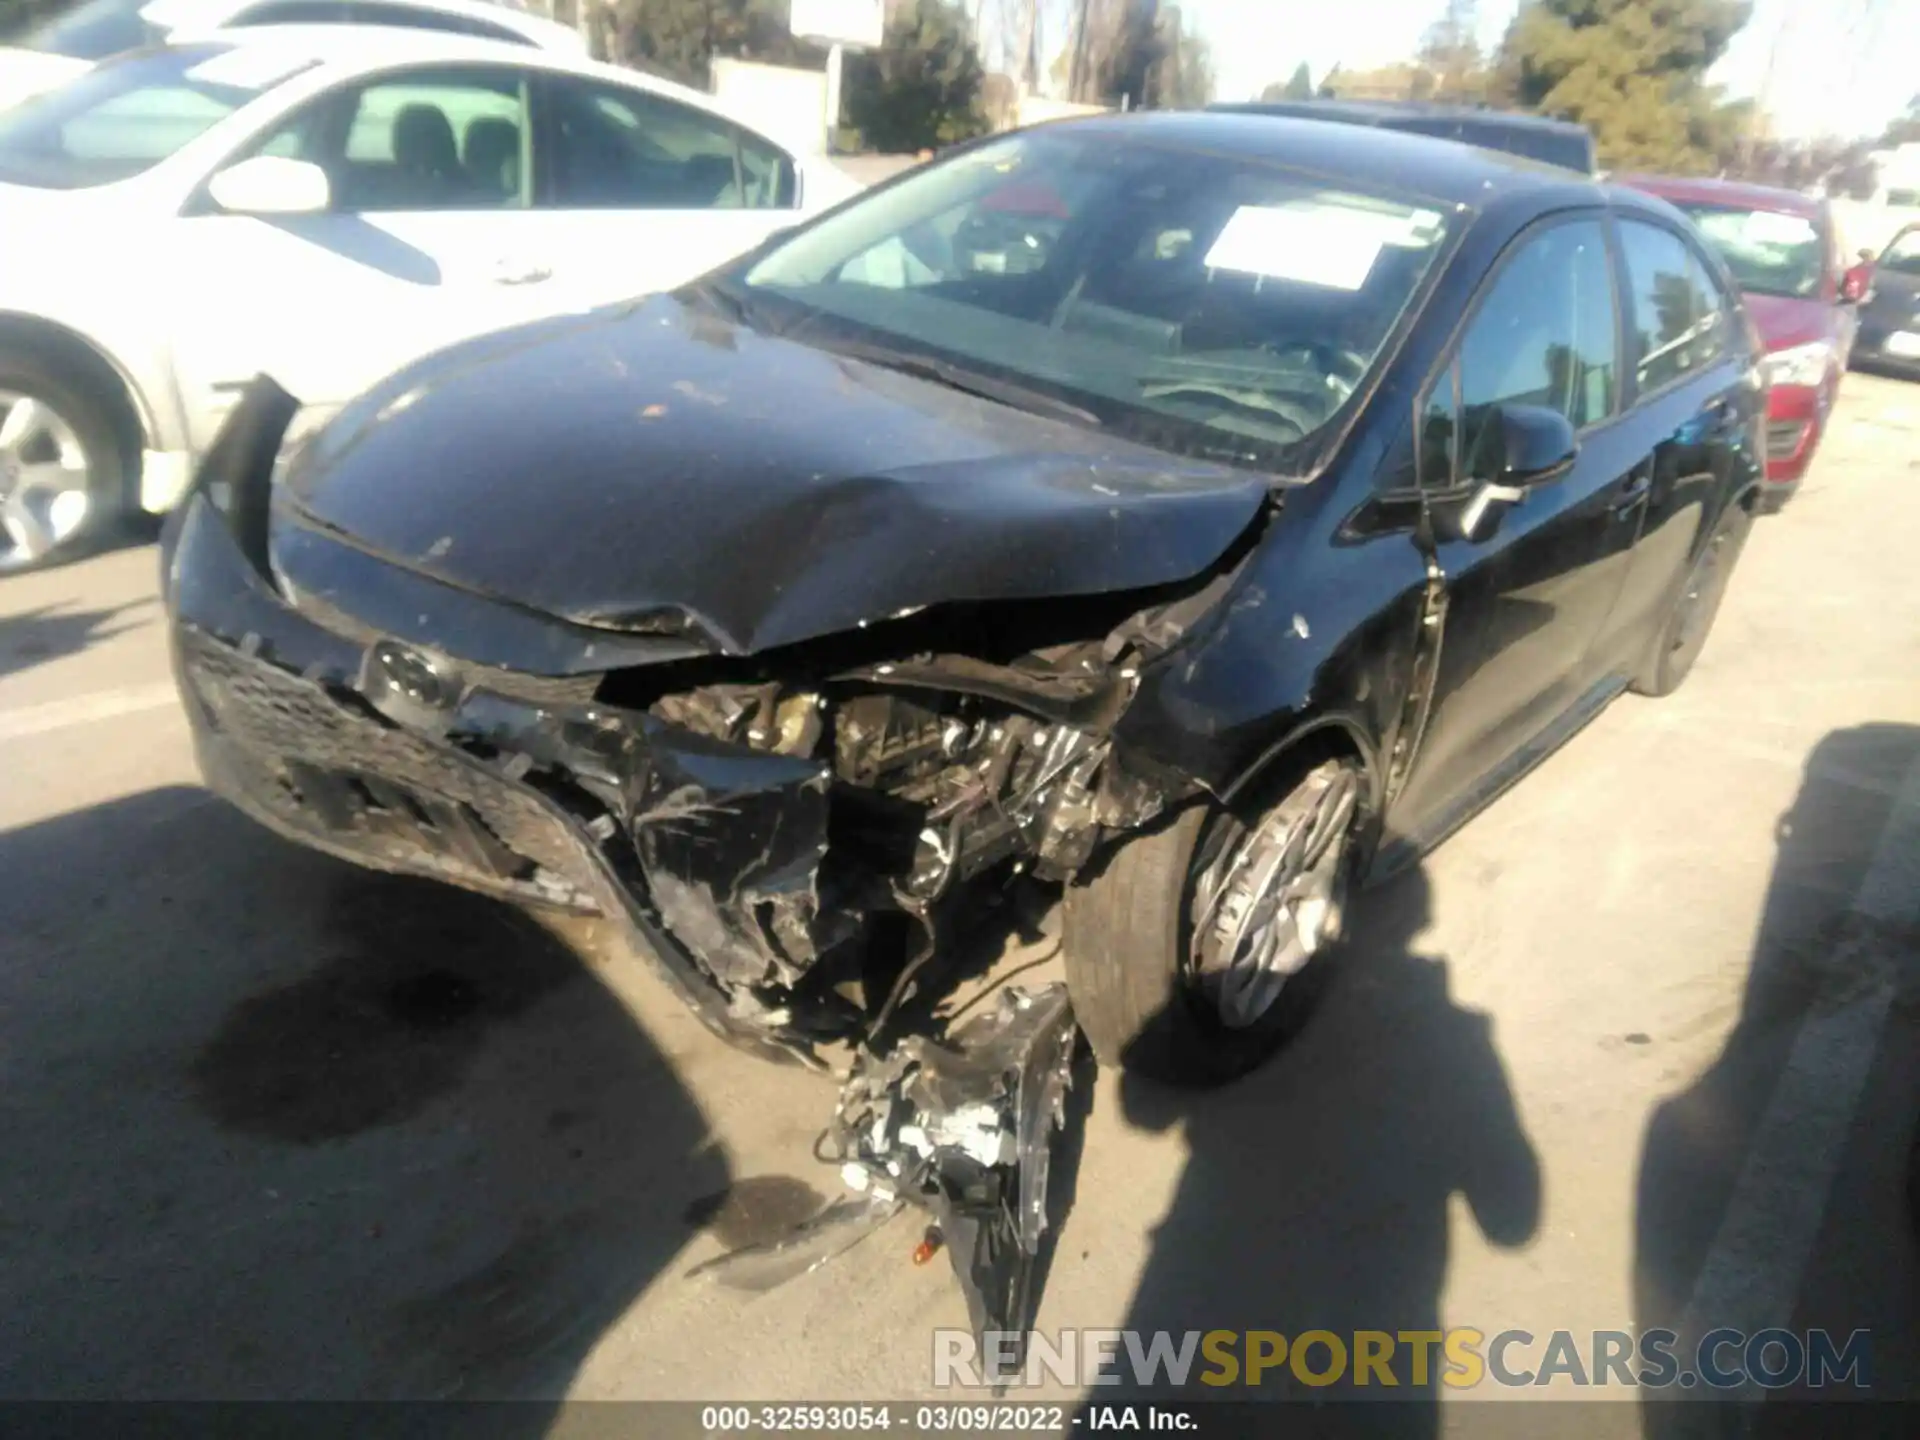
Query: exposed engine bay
[[891, 806]]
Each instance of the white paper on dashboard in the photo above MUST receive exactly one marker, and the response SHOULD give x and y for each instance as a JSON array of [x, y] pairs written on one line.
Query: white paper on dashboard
[[1767, 227], [1321, 245]]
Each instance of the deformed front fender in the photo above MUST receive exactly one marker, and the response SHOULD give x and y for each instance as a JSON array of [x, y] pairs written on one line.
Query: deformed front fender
[[1313, 642]]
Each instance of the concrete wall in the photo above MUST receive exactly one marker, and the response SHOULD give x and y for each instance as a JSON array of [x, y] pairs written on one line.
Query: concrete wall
[[789, 105], [1036, 108]]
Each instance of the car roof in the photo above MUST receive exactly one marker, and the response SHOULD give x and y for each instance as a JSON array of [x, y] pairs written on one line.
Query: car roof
[[205, 15], [343, 50], [1385, 112], [1391, 160], [1703, 190]]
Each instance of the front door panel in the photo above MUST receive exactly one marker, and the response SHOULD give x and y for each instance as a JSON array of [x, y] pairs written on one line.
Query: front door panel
[[1532, 587]]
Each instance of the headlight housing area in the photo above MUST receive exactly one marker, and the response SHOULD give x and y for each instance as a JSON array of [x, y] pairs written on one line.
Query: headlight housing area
[[1799, 365]]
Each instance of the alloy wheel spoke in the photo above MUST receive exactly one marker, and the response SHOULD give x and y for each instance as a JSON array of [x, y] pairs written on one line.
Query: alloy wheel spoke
[[50, 478], [29, 532], [25, 418]]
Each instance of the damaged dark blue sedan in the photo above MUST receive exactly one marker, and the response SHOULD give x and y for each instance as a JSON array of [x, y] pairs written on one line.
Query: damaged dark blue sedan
[[1196, 512]]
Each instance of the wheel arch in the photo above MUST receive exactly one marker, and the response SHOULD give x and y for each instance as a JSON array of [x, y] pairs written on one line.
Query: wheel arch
[[133, 415], [1323, 737]]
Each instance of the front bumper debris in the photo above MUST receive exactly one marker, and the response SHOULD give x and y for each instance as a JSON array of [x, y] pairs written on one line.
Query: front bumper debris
[[963, 1128], [295, 724]]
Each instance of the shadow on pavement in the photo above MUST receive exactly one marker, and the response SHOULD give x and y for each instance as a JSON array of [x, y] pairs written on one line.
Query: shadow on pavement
[[1317, 1192], [48, 632], [279, 1128], [1814, 1094]]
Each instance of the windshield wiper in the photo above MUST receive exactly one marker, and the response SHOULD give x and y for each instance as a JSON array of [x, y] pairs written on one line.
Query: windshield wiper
[[968, 382]]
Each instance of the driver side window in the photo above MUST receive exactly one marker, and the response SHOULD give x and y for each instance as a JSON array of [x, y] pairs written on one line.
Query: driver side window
[[1543, 335]]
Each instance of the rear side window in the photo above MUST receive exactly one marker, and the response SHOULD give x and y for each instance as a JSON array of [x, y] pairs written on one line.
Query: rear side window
[[1713, 313], [291, 12], [93, 31], [1677, 312], [369, 12], [618, 148]]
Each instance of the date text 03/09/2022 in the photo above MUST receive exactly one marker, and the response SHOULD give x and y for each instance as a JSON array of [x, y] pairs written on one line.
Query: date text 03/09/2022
[[941, 1418]]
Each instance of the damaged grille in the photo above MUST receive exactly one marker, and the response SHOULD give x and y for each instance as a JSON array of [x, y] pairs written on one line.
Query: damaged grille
[[319, 767]]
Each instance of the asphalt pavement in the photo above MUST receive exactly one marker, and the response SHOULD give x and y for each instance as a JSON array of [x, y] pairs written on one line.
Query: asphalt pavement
[[1636, 1048]]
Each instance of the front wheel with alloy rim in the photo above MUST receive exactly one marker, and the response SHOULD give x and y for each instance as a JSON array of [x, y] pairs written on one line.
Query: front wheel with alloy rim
[[61, 471], [1684, 635], [1201, 947]]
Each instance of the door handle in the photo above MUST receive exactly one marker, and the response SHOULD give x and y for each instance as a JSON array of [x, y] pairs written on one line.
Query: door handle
[[519, 272], [1639, 482]]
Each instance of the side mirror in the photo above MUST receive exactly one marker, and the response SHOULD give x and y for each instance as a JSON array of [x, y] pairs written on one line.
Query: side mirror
[[271, 185], [1855, 283], [1535, 445], [1524, 446]]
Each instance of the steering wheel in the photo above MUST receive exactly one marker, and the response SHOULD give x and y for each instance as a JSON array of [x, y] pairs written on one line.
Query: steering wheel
[[1342, 368]]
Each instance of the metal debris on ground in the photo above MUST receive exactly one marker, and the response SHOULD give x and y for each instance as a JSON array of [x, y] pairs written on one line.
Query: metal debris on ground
[[962, 1126]]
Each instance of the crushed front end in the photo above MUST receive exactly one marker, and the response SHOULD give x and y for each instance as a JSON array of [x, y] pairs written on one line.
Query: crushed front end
[[786, 835], [795, 838]]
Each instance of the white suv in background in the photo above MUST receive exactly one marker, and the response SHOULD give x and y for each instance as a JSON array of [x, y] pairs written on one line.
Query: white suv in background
[[70, 43], [324, 205]]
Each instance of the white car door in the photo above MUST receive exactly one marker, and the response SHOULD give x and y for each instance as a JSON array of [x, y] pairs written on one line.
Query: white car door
[[642, 193], [430, 238]]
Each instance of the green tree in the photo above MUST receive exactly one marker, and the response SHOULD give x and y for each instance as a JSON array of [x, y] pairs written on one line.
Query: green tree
[[921, 88], [1632, 71], [1183, 79], [1905, 130], [1450, 54], [678, 39], [17, 16], [1299, 86]]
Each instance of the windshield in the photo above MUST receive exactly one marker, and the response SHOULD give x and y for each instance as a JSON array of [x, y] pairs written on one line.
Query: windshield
[[1903, 255], [129, 114], [1768, 252], [94, 31], [1212, 305]]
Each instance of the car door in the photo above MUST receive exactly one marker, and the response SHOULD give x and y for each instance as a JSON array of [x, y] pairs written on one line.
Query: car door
[[1698, 402], [1529, 588], [641, 193], [429, 238]]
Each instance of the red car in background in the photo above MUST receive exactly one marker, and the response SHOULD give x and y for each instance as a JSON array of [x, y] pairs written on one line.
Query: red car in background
[[1784, 252]]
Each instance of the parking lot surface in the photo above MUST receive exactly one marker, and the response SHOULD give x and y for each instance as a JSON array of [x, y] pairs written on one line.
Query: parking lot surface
[[1636, 1048]]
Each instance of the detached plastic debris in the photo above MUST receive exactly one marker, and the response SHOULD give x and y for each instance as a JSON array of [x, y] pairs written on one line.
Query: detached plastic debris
[[962, 1126], [808, 1246]]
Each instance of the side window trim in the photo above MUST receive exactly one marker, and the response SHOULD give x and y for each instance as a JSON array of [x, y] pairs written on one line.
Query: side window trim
[[1447, 368], [1450, 378]]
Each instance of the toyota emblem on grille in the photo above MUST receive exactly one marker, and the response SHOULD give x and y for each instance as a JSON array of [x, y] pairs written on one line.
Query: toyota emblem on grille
[[411, 676]]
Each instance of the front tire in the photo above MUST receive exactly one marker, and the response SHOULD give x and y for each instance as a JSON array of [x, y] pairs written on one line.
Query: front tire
[[63, 468], [1684, 635], [1202, 947]]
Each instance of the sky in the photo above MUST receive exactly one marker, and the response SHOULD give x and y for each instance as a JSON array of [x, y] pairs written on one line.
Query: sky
[[1840, 74]]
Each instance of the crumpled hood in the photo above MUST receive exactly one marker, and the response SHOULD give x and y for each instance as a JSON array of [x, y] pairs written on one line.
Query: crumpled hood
[[657, 462]]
